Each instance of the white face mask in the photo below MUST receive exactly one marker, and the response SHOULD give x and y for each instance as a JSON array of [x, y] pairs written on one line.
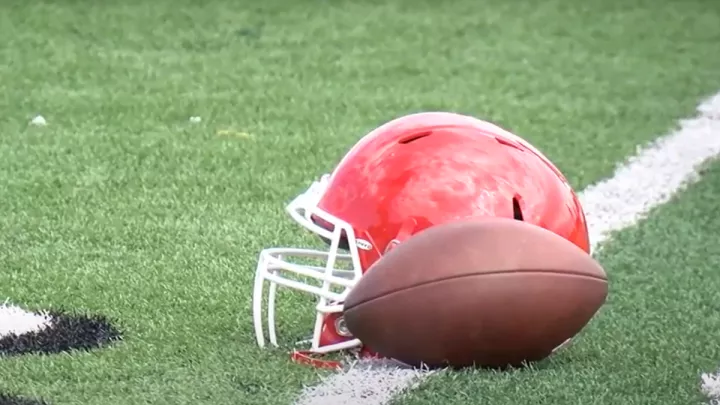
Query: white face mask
[[330, 283]]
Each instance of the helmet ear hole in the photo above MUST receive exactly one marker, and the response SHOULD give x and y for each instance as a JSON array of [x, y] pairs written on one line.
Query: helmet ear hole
[[343, 242], [329, 227], [517, 211]]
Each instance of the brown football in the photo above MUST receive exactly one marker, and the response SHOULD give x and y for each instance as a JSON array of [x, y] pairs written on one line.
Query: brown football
[[491, 292]]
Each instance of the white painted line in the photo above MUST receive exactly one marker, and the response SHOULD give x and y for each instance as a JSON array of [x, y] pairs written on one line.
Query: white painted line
[[654, 175], [645, 181], [15, 320], [710, 386]]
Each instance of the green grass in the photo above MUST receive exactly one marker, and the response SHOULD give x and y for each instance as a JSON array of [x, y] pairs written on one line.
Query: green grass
[[121, 206]]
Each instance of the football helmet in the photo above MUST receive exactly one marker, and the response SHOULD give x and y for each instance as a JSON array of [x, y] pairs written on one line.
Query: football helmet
[[409, 174]]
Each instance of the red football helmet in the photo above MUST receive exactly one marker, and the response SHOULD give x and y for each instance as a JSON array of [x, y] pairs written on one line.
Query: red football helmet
[[409, 174]]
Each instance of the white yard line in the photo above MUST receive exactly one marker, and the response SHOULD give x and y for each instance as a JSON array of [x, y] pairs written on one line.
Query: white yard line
[[710, 386], [15, 320], [645, 181]]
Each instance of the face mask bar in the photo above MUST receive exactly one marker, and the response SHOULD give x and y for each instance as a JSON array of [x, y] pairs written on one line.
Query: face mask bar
[[330, 283]]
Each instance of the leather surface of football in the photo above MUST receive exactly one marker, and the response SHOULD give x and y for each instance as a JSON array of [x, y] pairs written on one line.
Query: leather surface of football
[[490, 292]]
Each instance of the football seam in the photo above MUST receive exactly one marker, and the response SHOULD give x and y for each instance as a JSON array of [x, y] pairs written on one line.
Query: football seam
[[397, 290]]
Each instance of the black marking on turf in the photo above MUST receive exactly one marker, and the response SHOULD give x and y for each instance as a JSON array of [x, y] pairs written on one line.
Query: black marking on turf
[[7, 399], [65, 332]]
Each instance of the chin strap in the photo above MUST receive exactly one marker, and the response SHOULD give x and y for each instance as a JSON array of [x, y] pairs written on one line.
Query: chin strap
[[310, 358]]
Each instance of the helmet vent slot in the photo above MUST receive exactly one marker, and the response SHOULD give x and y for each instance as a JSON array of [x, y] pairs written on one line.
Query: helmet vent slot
[[414, 137], [517, 212], [507, 142]]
